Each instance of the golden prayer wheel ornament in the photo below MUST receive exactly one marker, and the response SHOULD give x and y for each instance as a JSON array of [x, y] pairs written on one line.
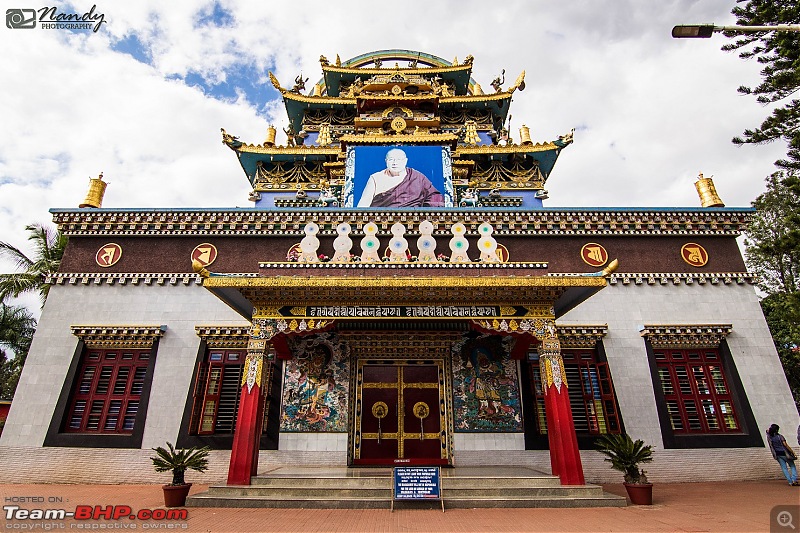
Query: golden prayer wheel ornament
[[324, 137], [97, 188], [525, 135], [708, 193], [271, 131]]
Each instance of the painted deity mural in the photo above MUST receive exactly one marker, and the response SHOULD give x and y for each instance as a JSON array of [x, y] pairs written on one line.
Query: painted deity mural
[[485, 385], [315, 385]]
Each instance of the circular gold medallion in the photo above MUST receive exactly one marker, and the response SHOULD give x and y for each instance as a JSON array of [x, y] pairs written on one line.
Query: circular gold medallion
[[421, 410], [205, 253], [396, 90], [379, 410], [398, 124], [108, 254], [594, 254], [694, 254]]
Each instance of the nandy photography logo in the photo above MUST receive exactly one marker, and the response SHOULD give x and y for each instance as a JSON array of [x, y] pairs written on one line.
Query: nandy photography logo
[[49, 18]]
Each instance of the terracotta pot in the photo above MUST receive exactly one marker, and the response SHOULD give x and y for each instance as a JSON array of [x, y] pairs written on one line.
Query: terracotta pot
[[175, 495], [640, 493]]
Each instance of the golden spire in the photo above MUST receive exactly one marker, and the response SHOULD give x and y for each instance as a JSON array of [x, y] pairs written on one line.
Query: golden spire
[[525, 135], [270, 141], [707, 192], [97, 188]]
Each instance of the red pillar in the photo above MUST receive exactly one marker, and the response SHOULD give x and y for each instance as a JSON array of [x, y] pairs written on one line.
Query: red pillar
[[255, 387], [565, 458]]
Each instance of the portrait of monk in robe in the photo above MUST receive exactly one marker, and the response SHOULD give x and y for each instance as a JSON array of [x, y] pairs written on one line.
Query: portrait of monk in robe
[[399, 186]]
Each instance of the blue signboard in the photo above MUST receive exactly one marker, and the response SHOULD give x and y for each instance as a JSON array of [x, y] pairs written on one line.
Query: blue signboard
[[417, 483]]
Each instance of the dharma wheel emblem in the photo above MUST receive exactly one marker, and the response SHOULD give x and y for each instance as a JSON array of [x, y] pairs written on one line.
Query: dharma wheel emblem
[[108, 254], [694, 254], [593, 254], [398, 124]]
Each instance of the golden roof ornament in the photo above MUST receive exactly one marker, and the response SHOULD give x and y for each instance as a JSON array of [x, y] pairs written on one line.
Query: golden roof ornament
[[707, 192], [477, 89], [471, 135], [97, 188], [271, 131], [324, 137], [519, 83], [525, 135], [276, 83]]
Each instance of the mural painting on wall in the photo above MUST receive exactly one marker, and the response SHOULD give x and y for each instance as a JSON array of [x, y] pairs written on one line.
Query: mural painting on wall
[[315, 385], [485, 385]]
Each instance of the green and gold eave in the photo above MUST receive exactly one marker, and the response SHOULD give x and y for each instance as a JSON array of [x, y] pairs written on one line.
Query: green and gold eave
[[452, 73], [250, 155], [297, 104], [514, 298]]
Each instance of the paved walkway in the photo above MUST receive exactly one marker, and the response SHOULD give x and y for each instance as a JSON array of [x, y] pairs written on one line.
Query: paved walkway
[[695, 507]]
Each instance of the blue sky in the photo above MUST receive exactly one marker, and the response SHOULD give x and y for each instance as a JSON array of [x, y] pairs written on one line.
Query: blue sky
[[144, 97]]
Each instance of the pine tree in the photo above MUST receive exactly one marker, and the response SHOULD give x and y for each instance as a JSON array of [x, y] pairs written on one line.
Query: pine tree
[[779, 52]]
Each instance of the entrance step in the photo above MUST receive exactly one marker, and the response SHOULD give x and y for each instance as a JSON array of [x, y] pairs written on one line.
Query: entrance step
[[371, 488]]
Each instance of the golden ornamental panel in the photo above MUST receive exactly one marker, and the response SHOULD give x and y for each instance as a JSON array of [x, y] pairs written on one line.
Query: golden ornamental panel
[[135, 336], [686, 336]]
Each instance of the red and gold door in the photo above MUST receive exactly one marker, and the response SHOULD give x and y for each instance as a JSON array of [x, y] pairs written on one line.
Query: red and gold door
[[400, 414]]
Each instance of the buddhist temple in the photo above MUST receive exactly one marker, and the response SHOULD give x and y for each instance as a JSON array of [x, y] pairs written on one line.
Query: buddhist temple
[[399, 294]]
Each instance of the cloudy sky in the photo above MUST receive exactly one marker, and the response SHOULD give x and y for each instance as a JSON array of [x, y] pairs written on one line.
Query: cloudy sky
[[143, 98]]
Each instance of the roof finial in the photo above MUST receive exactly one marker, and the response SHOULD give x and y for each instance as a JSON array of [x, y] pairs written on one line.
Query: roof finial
[[707, 192], [97, 188]]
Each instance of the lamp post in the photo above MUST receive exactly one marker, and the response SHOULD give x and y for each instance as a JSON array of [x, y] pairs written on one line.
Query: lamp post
[[704, 31]]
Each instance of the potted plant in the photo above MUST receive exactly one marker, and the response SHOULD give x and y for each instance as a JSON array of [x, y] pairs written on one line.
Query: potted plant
[[625, 455], [179, 461]]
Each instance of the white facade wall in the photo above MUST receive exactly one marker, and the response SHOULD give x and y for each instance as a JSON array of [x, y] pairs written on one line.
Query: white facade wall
[[625, 308], [179, 307]]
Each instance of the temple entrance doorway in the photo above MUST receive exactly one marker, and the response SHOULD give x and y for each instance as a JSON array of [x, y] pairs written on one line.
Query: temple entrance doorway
[[401, 413]]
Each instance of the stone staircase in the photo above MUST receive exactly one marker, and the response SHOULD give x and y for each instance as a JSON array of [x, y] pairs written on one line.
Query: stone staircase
[[371, 488]]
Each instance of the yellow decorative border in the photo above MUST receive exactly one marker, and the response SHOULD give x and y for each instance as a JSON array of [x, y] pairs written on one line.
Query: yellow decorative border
[[227, 336], [686, 335], [118, 336]]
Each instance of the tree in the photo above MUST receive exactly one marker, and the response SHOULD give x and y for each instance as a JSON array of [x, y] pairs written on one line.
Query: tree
[[17, 326], [779, 52], [772, 243], [48, 245]]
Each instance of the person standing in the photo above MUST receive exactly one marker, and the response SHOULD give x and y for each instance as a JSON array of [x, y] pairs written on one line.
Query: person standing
[[782, 453]]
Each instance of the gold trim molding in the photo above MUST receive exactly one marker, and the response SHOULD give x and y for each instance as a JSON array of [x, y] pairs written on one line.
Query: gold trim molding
[[224, 336], [580, 336], [685, 335], [118, 336]]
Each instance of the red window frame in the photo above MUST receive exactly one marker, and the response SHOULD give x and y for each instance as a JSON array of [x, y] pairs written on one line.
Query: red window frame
[[107, 392], [220, 368], [696, 391], [591, 392]]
